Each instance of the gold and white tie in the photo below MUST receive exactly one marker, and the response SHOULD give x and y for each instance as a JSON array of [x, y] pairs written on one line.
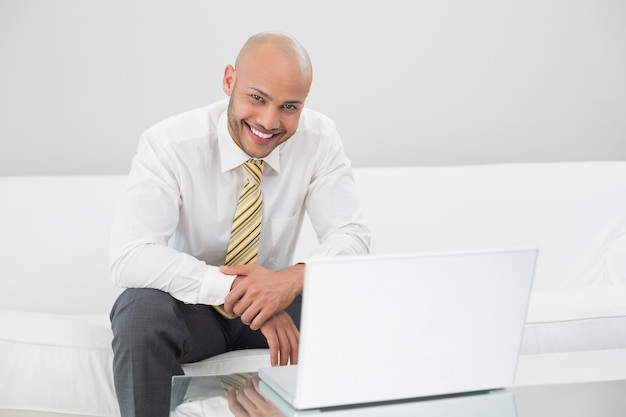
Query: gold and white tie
[[246, 230], [244, 237]]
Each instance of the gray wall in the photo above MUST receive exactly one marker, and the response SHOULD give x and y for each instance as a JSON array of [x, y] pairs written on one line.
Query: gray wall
[[408, 82]]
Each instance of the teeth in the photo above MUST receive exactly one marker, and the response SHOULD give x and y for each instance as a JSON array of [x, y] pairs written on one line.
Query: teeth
[[261, 135]]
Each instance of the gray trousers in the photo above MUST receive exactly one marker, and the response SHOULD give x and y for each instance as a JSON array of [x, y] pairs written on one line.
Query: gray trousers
[[153, 334]]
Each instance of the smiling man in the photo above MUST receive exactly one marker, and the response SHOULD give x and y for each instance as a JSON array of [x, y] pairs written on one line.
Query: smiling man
[[205, 231]]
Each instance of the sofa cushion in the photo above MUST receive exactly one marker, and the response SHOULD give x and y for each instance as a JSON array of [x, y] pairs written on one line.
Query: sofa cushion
[[576, 319], [57, 363], [572, 211], [616, 259], [55, 234], [249, 360]]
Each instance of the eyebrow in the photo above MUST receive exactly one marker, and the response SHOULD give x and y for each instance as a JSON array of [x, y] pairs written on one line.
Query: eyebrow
[[270, 98]]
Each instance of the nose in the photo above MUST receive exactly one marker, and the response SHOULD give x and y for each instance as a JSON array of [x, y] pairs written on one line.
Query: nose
[[269, 118]]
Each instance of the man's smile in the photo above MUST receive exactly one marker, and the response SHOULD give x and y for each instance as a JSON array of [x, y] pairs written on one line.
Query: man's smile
[[261, 134]]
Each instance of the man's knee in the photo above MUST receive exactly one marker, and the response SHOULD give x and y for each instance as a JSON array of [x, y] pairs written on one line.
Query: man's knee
[[139, 313]]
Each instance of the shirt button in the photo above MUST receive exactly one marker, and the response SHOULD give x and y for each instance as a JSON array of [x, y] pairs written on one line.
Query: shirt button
[[212, 300]]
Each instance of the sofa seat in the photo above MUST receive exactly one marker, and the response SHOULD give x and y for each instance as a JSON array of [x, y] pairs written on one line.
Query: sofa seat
[[57, 363], [576, 319]]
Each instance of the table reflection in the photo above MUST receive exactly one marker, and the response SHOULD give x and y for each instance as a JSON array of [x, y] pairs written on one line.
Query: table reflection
[[236, 395], [244, 395]]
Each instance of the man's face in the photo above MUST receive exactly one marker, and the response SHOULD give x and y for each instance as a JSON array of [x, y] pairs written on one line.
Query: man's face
[[267, 94]]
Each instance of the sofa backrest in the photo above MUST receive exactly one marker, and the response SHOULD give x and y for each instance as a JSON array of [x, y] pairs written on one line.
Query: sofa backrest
[[574, 212], [54, 244], [55, 230]]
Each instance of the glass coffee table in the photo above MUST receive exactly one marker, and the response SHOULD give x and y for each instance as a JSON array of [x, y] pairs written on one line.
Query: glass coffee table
[[244, 394]]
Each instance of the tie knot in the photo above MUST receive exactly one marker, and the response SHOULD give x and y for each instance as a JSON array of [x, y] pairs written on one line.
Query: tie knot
[[254, 170]]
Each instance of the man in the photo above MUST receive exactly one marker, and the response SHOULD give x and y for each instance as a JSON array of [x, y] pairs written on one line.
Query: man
[[172, 232]]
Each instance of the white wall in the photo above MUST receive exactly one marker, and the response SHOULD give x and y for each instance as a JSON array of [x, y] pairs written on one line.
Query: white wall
[[408, 82]]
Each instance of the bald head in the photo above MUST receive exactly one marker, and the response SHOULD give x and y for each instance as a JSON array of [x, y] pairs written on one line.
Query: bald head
[[276, 43], [267, 87]]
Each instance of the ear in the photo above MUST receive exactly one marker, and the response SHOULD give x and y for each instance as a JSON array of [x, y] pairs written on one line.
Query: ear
[[228, 82]]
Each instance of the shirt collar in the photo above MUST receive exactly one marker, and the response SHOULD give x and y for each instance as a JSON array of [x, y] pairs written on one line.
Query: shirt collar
[[231, 155]]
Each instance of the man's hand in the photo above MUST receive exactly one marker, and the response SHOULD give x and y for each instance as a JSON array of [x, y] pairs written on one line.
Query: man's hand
[[258, 293], [249, 402], [283, 339]]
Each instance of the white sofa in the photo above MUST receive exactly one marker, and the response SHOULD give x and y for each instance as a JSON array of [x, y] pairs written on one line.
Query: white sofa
[[55, 354]]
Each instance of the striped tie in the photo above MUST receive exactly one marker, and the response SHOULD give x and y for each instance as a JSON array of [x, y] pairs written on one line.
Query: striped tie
[[244, 237], [246, 230]]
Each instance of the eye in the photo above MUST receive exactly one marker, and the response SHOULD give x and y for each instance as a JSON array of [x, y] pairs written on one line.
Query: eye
[[290, 107], [256, 97]]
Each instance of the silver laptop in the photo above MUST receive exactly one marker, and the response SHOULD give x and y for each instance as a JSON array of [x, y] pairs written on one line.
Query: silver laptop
[[392, 327]]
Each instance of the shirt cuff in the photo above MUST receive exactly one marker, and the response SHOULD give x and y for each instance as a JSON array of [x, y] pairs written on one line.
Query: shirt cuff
[[215, 287]]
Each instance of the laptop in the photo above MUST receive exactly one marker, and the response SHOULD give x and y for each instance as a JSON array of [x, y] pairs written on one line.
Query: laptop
[[380, 328]]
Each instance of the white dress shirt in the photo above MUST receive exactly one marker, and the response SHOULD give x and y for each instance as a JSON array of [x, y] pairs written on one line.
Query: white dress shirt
[[173, 221]]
